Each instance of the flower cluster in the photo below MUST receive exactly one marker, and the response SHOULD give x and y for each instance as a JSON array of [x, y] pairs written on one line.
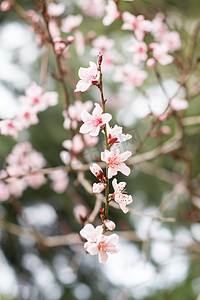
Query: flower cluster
[[34, 101], [93, 124], [20, 161]]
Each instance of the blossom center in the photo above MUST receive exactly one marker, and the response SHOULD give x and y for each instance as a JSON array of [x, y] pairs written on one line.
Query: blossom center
[[113, 161], [102, 246], [96, 122], [36, 100]]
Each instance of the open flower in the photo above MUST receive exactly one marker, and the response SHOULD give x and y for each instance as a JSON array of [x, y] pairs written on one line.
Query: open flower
[[103, 245], [115, 161], [97, 243], [93, 123], [115, 135], [89, 76], [122, 199]]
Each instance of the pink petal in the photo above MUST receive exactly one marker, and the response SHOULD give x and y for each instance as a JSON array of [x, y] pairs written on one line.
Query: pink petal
[[103, 256], [114, 184], [124, 169], [83, 85], [111, 172], [93, 249], [86, 116], [125, 155], [97, 111], [94, 131], [106, 117], [84, 128]]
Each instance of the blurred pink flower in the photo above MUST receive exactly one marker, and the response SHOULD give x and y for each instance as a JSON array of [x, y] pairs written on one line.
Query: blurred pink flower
[[138, 24], [71, 22], [9, 127], [60, 181], [112, 13], [130, 75], [55, 10]]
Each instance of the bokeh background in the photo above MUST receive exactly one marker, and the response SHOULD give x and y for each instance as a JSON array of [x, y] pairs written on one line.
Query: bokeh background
[[166, 268]]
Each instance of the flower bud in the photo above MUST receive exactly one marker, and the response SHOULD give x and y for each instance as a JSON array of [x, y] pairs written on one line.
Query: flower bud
[[97, 171], [110, 225]]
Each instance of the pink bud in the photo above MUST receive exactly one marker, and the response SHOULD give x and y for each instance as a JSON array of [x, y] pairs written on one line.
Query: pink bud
[[151, 62], [70, 39], [97, 171], [5, 5], [110, 225], [80, 213], [165, 130]]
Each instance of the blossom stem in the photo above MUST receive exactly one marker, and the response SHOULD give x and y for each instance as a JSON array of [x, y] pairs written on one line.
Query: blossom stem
[[100, 86]]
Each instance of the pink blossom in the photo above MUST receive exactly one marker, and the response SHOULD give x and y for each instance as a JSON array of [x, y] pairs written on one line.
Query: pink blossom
[[89, 76], [71, 22], [159, 28], [101, 44], [16, 186], [90, 234], [80, 212], [73, 115], [151, 63], [59, 46], [35, 97], [69, 159], [4, 192], [115, 161], [9, 127], [172, 41], [160, 53], [79, 42], [60, 181], [140, 51], [179, 104], [23, 158], [93, 123], [98, 187], [26, 117], [97, 171], [90, 140], [76, 145], [5, 5], [110, 225], [103, 245], [112, 13], [137, 24], [55, 10], [33, 16], [122, 199], [93, 8], [35, 180], [115, 135], [130, 76]]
